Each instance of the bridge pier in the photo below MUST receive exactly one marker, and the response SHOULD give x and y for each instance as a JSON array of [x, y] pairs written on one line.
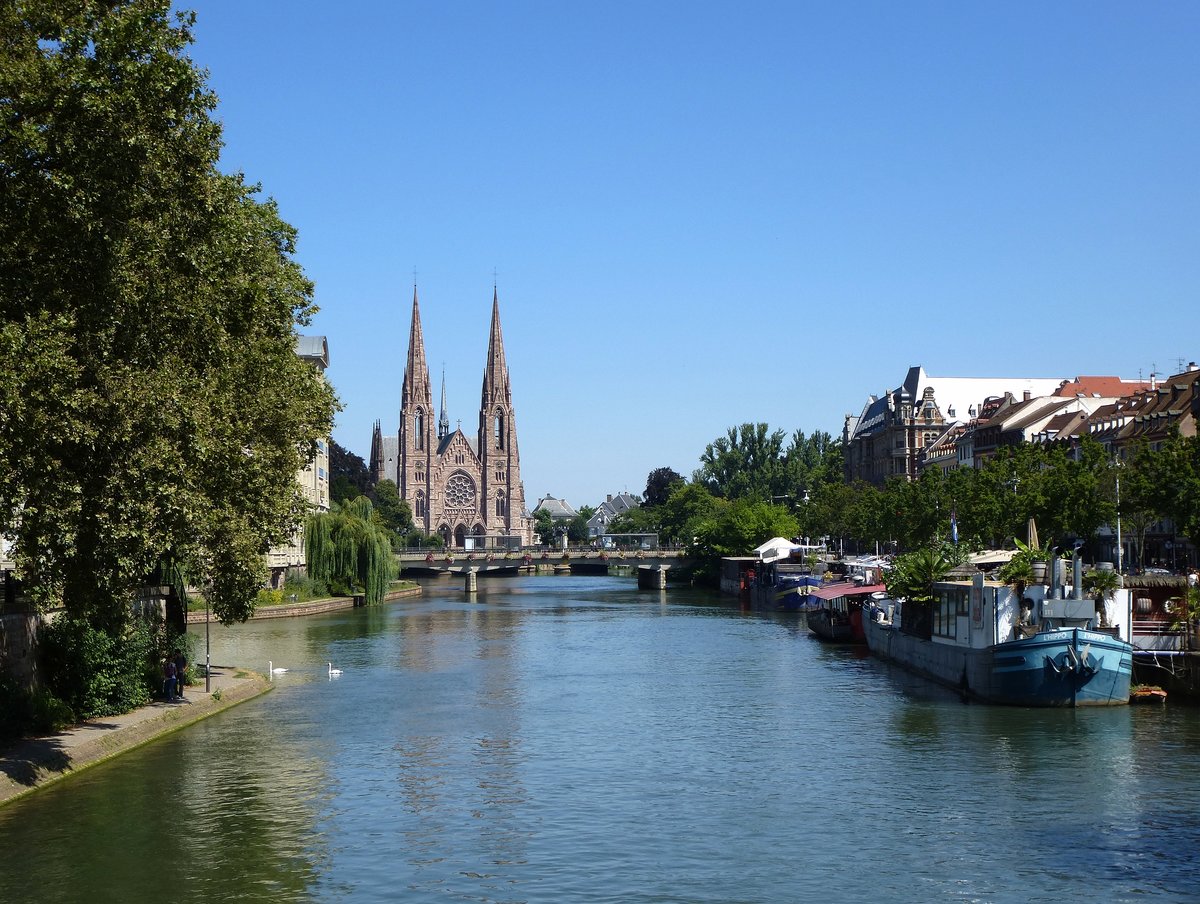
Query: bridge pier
[[652, 577], [472, 581]]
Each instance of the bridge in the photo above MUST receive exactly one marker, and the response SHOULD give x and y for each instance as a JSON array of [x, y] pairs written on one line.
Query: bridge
[[538, 560]]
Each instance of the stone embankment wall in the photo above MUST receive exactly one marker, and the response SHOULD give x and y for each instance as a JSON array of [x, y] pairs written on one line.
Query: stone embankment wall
[[315, 607]]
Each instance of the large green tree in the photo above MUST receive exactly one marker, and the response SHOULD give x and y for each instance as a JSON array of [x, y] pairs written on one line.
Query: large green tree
[[659, 484], [350, 549], [153, 406]]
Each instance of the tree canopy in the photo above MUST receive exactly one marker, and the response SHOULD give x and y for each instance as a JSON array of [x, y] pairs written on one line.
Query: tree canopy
[[153, 403], [659, 484], [350, 549]]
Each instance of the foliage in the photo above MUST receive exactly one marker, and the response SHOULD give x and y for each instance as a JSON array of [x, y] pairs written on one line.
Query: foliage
[[660, 483], [1175, 477], [577, 529], [1101, 582], [350, 550], [394, 512], [153, 401], [304, 587], [736, 529], [913, 574], [350, 477], [641, 520], [95, 672], [543, 526], [752, 462], [30, 712]]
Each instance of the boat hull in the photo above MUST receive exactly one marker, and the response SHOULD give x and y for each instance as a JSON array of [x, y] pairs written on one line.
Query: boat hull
[[1067, 667], [836, 627]]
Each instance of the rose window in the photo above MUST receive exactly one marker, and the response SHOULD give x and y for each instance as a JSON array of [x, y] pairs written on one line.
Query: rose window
[[460, 491]]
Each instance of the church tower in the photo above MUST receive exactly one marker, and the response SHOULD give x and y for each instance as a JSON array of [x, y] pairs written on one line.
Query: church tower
[[416, 437], [465, 489], [500, 461]]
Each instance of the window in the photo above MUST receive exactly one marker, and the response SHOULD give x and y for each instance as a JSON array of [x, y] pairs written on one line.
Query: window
[[948, 605], [498, 429], [501, 504], [419, 430], [460, 492], [420, 504]]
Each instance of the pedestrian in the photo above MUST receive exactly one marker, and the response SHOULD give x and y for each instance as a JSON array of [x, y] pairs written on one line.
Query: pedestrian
[[169, 679], [180, 673], [1193, 578]]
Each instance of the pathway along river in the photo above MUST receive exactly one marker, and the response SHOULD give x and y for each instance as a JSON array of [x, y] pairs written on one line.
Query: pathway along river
[[576, 740]]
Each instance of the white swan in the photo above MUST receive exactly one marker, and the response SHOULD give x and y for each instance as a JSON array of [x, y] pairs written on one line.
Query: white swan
[[274, 671], [333, 673]]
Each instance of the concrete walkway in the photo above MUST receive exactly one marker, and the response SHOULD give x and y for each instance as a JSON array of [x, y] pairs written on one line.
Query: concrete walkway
[[36, 762]]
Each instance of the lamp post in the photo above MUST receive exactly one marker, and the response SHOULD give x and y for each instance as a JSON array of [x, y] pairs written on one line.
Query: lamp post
[[1120, 546], [207, 661]]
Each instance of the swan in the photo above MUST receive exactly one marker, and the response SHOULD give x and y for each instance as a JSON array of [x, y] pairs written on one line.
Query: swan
[[333, 673], [274, 671]]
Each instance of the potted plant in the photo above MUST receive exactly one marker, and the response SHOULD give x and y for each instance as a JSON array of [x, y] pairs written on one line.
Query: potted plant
[[1100, 584], [1186, 616]]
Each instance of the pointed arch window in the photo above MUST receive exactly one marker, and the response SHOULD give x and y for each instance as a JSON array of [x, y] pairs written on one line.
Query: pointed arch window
[[498, 429], [420, 504], [501, 504], [419, 430]]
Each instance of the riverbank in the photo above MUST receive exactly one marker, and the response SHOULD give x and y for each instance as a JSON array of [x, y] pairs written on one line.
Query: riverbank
[[34, 763], [313, 607], [37, 762]]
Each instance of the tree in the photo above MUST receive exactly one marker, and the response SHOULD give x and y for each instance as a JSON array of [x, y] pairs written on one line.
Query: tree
[[745, 463], [689, 506], [736, 529], [350, 549], [1175, 472], [394, 512], [349, 473], [543, 526], [577, 529], [153, 403], [659, 485]]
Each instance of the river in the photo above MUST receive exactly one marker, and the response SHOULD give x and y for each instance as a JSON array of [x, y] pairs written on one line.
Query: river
[[567, 739]]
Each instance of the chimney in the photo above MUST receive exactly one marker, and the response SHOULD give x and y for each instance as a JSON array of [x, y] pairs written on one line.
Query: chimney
[[609, 498], [1027, 394], [1192, 366]]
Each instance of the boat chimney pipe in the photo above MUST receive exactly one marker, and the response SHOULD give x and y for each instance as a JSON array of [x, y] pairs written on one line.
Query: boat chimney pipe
[[1077, 572]]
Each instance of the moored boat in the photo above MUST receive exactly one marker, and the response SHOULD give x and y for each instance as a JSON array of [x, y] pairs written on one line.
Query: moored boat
[[998, 647], [838, 614]]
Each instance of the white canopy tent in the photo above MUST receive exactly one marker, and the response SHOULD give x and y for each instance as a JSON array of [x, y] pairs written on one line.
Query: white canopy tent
[[775, 549]]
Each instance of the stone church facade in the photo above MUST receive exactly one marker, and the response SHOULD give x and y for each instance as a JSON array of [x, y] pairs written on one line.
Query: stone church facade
[[466, 489]]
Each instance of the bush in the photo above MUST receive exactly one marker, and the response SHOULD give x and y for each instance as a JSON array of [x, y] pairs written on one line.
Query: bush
[[30, 712], [305, 588], [95, 673]]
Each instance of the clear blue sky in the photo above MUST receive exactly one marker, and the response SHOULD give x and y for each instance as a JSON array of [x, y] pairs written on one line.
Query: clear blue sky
[[706, 214]]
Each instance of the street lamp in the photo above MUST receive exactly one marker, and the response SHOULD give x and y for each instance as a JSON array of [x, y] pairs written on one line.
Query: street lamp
[[1120, 547]]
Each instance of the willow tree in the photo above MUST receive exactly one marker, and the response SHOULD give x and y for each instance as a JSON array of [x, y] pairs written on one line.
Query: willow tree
[[350, 549], [153, 404]]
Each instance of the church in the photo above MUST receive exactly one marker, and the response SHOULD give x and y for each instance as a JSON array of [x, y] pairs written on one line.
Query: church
[[467, 490]]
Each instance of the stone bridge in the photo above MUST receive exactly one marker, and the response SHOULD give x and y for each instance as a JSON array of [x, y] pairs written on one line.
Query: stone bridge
[[532, 561]]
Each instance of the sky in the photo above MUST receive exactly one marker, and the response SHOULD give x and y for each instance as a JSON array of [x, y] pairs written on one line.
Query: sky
[[698, 215]]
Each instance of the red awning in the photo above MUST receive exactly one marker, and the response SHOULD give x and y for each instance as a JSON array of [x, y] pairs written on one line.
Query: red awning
[[833, 591]]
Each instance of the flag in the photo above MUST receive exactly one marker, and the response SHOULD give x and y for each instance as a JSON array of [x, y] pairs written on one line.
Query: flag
[[954, 526]]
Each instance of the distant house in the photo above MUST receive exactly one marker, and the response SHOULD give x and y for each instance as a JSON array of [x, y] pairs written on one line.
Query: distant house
[[609, 509], [558, 509], [313, 478]]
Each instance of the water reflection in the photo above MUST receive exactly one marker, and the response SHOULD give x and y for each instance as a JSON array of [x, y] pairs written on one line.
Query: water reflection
[[579, 740]]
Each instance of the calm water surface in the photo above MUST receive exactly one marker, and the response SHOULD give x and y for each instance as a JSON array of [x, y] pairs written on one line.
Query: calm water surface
[[575, 739]]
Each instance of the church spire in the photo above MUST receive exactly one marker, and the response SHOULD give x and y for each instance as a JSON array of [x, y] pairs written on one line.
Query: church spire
[[416, 389], [495, 376], [444, 419]]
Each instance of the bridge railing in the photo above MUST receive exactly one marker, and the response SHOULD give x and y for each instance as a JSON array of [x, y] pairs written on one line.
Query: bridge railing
[[536, 553]]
